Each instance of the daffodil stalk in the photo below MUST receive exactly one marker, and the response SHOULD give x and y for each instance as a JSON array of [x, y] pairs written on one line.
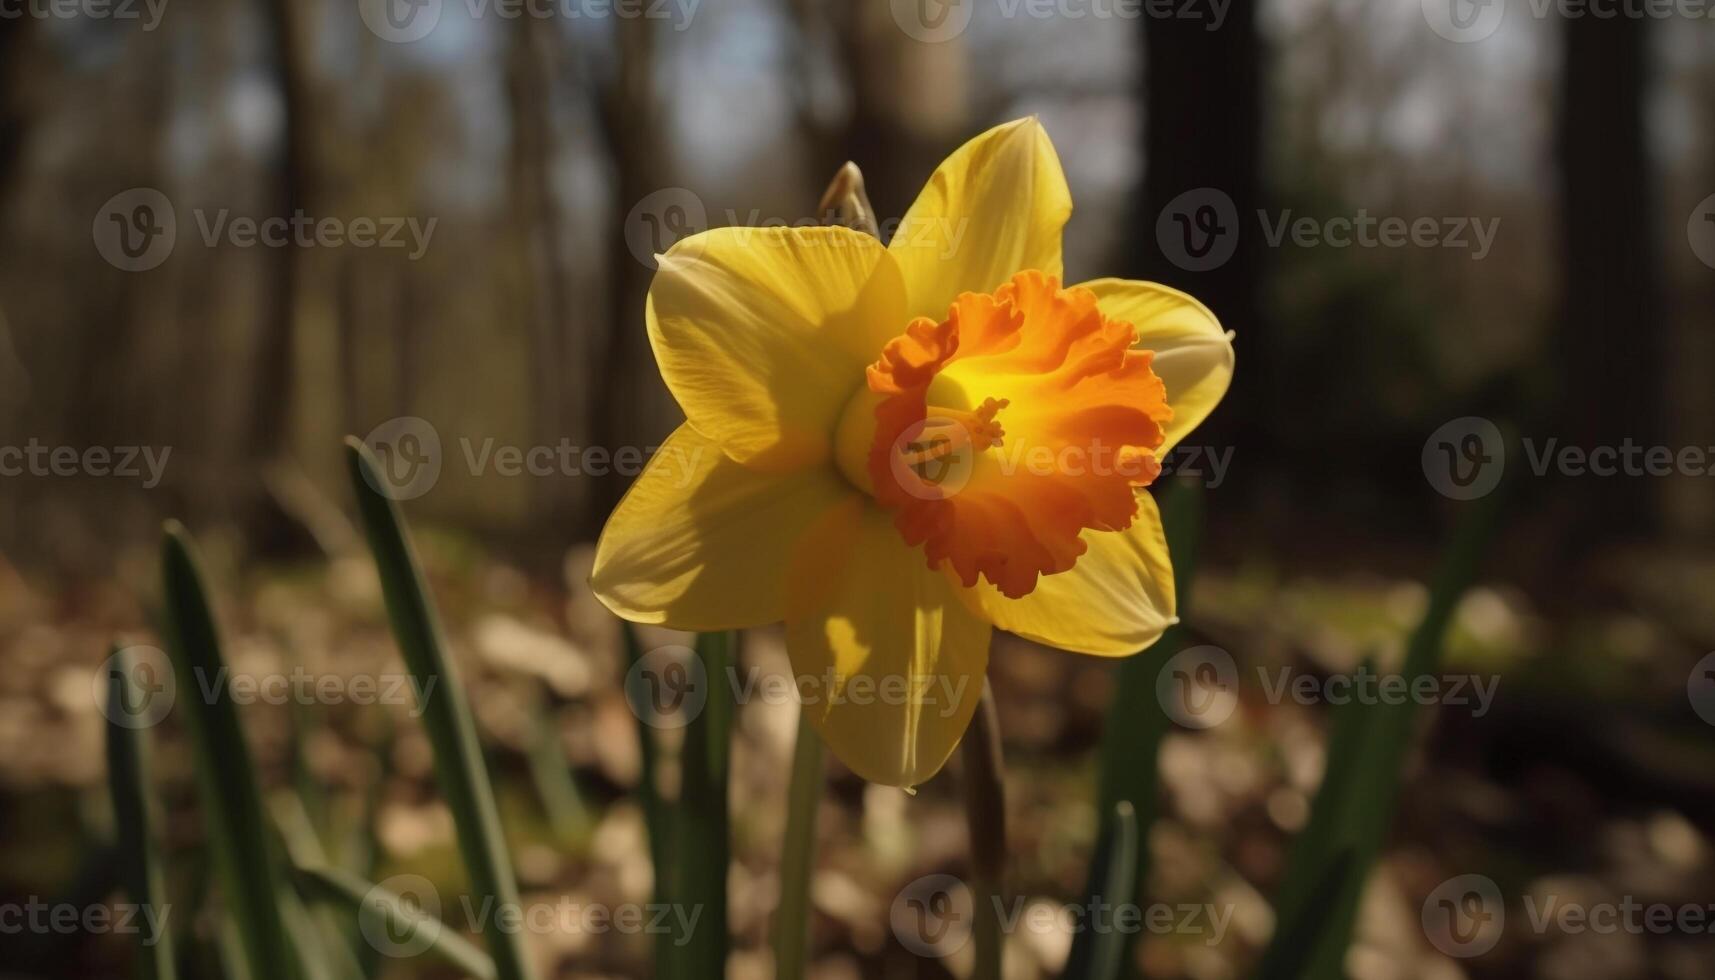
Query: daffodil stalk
[[847, 203], [798, 856], [985, 814]]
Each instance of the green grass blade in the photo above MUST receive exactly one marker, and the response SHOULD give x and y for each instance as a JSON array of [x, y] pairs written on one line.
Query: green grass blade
[[323, 951], [1115, 866], [798, 855], [648, 788], [658, 821], [128, 784], [1368, 747], [238, 828], [1136, 721], [356, 899], [702, 845], [232, 956], [551, 772], [458, 760], [316, 932], [1288, 954], [1327, 831]]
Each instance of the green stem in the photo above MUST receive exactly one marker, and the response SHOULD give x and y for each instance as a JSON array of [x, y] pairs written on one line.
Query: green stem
[[798, 855], [985, 810]]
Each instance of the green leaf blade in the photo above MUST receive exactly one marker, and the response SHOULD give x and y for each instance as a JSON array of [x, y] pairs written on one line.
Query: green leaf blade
[[128, 774], [459, 767], [251, 886]]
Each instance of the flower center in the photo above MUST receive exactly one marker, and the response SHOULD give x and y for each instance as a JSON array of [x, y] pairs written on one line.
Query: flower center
[[1086, 411], [947, 432]]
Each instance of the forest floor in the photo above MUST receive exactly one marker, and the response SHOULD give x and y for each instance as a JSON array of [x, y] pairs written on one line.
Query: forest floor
[[1567, 764]]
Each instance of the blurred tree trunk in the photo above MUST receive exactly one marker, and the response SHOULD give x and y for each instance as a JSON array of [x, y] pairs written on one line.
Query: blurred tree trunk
[[1203, 123], [1613, 335], [14, 94], [538, 260], [905, 101], [267, 528], [628, 405]]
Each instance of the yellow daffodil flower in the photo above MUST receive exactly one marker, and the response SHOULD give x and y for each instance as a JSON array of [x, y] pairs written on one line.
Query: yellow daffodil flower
[[895, 449]]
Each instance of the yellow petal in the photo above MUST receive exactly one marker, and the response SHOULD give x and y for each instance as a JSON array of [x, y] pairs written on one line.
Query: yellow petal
[[889, 660], [1193, 355], [701, 542], [992, 209], [762, 334], [1116, 600]]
